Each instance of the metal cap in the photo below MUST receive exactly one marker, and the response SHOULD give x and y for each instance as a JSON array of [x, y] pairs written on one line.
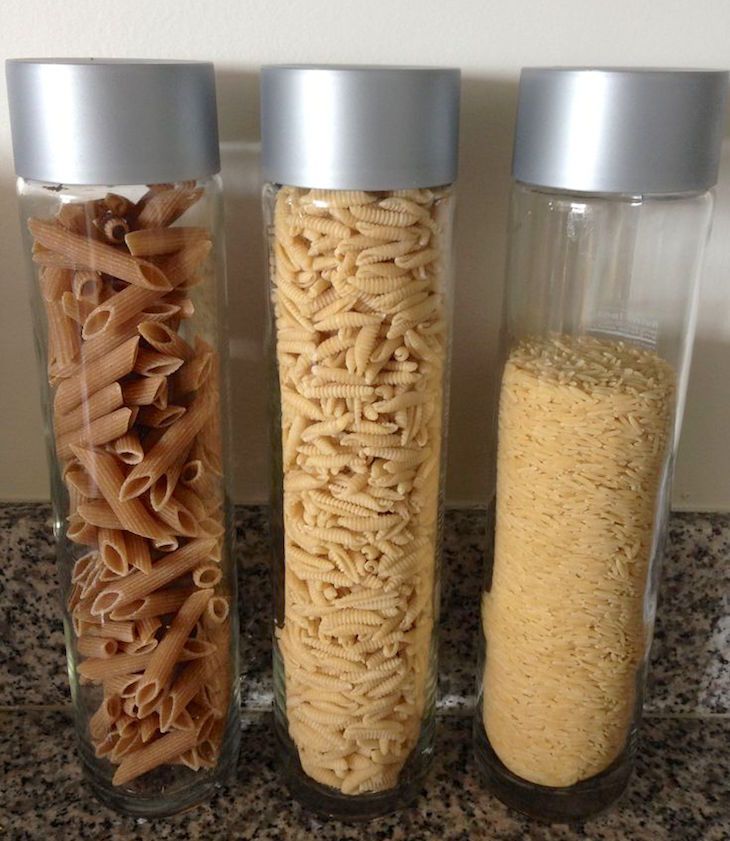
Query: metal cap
[[102, 121], [620, 130], [362, 128]]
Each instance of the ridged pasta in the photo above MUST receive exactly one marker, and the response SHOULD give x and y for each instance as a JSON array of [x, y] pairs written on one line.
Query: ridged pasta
[[132, 393], [357, 680]]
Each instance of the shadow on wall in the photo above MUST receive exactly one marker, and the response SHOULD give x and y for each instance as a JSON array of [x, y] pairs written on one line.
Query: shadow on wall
[[486, 144]]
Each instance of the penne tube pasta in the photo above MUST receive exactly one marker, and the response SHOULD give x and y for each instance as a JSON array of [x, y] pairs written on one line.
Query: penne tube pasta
[[151, 242], [97, 512], [127, 447], [119, 631], [138, 553], [83, 567], [113, 551], [217, 611], [195, 649], [150, 363], [124, 686], [87, 286], [107, 474], [160, 418], [64, 341], [190, 680], [93, 377], [129, 741], [179, 519], [162, 310], [53, 282], [181, 266], [100, 431], [193, 374], [157, 603], [149, 727], [137, 585], [167, 654], [184, 304], [164, 207], [102, 720], [207, 576], [145, 629], [117, 310], [152, 755], [191, 501], [76, 216], [176, 438], [46, 258], [100, 669], [103, 402], [96, 647], [145, 391], [165, 340], [74, 309], [165, 484], [98, 255], [81, 532]]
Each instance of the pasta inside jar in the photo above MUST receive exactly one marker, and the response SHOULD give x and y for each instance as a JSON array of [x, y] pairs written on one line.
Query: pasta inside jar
[[361, 347]]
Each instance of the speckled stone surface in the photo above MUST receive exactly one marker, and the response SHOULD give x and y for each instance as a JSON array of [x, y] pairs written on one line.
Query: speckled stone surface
[[679, 793], [690, 669]]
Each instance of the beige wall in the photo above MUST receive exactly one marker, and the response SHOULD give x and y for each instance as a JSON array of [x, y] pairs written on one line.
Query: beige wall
[[490, 41]]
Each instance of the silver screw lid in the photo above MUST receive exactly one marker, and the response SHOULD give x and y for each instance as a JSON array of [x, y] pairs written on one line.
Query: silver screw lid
[[361, 128], [620, 130], [102, 121]]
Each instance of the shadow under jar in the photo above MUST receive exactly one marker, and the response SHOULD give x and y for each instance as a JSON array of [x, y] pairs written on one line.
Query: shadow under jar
[[122, 213], [359, 235], [608, 224]]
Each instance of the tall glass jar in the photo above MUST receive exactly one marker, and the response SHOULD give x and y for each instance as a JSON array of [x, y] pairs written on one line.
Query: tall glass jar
[[121, 209], [610, 213], [359, 222]]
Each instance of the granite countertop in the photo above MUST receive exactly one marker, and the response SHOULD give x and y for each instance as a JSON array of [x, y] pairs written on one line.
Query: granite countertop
[[680, 791]]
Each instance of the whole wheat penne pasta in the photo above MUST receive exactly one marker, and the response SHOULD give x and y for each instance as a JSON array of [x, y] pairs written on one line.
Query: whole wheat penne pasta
[[103, 402], [107, 474], [47, 258], [162, 310], [164, 658], [117, 310], [93, 377], [193, 374], [138, 552], [186, 686], [81, 532], [160, 418], [98, 512], [150, 363], [149, 727], [75, 309], [184, 304], [150, 242], [127, 447], [77, 216], [124, 686], [102, 720], [217, 611], [191, 501], [163, 208], [119, 631], [157, 603], [179, 519], [96, 647], [176, 438], [98, 255], [83, 567], [145, 629], [129, 741], [106, 746], [53, 282], [165, 340], [99, 431], [113, 550], [181, 266], [145, 391], [137, 585], [87, 286], [100, 669], [207, 576], [152, 755], [80, 484], [64, 341], [165, 484], [194, 649]]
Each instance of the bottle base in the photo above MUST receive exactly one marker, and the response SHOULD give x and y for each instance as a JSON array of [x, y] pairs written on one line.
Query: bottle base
[[326, 802], [571, 804]]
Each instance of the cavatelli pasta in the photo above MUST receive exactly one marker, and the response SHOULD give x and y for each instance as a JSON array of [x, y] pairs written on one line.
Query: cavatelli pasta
[[354, 274]]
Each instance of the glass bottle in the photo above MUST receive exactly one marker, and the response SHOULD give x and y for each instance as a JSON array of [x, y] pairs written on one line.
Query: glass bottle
[[120, 206], [358, 209], [611, 209]]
